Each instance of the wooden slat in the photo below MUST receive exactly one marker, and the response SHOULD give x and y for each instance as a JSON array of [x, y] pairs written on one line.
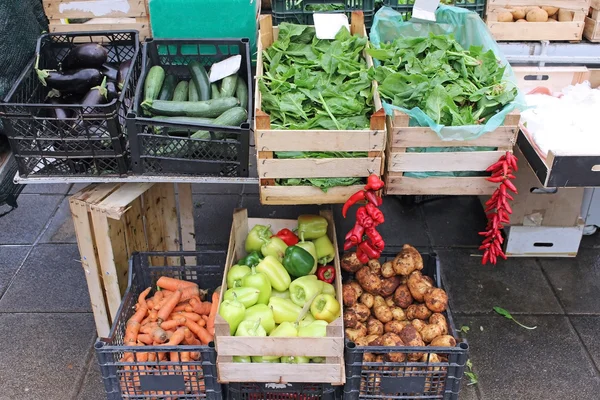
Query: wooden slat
[[142, 27], [134, 227], [282, 195], [595, 4], [118, 202], [504, 136], [400, 185], [318, 168], [186, 217], [170, 223], [64, 9], [511, 31], [154, 232], [443, 162], [277, 373], [554, 78], [118, 240], [282, 140], [592, 30], [276, 346], [568, 4]]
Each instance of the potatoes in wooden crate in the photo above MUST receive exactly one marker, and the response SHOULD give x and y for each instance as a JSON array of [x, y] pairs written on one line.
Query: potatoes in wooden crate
[[534, 14]]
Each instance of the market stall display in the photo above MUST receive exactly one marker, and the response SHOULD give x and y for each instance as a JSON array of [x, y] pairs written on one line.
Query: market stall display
[[592, 23], [405, 7], [301, 11]]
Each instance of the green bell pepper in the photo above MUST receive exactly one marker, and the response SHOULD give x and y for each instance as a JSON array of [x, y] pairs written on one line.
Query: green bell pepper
[[242, 359], [284, 310], [235, 275], [251, 259], [314, 329], [324, 249], [308, 318], [285, 329], [257, 236], [318, 360], [298, 261], [260, 281], [265, 359], [232, 311], [325, 307], [284, 295], [250, 327], [328, 288], [263, 313], [274, 247], [311, 227], [277, 274], [295, 360], [310, 247], [303, 289], [245, 295]]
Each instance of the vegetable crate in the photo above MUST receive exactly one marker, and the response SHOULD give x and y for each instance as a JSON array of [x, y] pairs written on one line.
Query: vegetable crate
[[98, 15], [112, 221], [268, 141], [277, 391], [301, 11], [157, 379], [154, 153], [405, 6], [570, 30], [591, 31], [331, 347], [91, 142], [400, 161], [408, 380]]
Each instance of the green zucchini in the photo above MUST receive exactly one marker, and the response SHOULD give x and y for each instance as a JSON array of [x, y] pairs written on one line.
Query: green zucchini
[[179, 131], [215, 92], [232, 117], [206, 109], [153, 83], [241, 92], [228, 85], [192, 91], [200, 78], [181, 91], [168, 88]]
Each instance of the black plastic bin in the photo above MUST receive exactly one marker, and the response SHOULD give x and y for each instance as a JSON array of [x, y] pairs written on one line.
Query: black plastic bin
[[283, 391], [408, 380], [301, 11], [477, 6], [93, 141], [155, 153], [146, 380]]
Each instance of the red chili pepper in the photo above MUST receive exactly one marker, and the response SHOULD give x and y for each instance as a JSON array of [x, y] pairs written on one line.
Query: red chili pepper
[[510, 186], [355, 235], [348, 245], [508, 195], [505, 168], [495, 179], [486, 257], [363, 218], [373, 198], [375, 239], [501, 254], [326, 273], [355, 198], [369, 251], [374, 183], [362, 257], [287, 236], [375, 213], [495, 166]]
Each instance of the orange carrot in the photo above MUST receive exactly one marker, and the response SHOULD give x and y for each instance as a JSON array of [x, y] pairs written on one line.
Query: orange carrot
[[173, 284], [156, 332], [199, 307], [153, 315], [192, 316], [205, 317], [145, 338], [177, 337], [189, 338], [167, 293], [150, 303], [134, 323], [210, 324], [182, 306], [158, 304], [173, 323], [148, 328], [146, 321], [202, 334], [189, 292], [141, 357], [173, 356], [167, 308], [158, 296]]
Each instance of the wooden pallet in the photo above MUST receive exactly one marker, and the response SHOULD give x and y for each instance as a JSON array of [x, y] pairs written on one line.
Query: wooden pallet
[[331, 347], [537, 31], [592, 23], [100, 15], [112, 221], [269, 141]]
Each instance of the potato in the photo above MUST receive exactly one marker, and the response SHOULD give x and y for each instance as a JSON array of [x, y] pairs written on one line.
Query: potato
[[379, 359], [375, 266], [362, 312], [407, 261], [418, 324], [398, 314], [537, 15], [417, 311], [364, 341], [565, 15], [402, 296], [440, 320], [521, 20], [349, 295], [527, 9], [374, 327], [350, 262], [383, 313], [356, 333], [436, 300], [350, 319], [418, 285], [394, 326], [389, 285], [369, 357], [387, 269], [410, 337], [550, 10], [389, 301], [388, 339], [551, 20], [379, 301], [394, 357], [367, 299], [430, 332], [357, 288], [443, 341], [368, 280], [505, 16], [518, 13]]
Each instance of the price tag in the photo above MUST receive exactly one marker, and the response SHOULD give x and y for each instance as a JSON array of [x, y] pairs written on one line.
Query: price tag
[[328, 25], [224, 68], [425, 9]]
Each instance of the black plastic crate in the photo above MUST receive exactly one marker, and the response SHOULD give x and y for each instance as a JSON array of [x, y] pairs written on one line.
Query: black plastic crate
[[93, 141], [283, 391], [408, 380], [405, 6], [146, 380], [301, 11], [154, 153]]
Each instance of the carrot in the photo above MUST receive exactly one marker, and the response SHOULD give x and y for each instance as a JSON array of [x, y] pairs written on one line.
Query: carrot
[[189, 338], [189, 292], [158, 304], [177, 337], [205, 318], [199, 307], [167, 308], [173, 323], [153, 315], [158, 296], [173, 356], [146, 321], [145, 338], [150, 304], [202, 334], [141, 357], [148, 328], [192, 316], [156, 332], [167, 293], [210, 324], [173, 284], [182, 306]]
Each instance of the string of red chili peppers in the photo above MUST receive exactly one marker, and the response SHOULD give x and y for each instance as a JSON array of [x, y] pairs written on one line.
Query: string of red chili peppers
[[497, 208], [369, 243]]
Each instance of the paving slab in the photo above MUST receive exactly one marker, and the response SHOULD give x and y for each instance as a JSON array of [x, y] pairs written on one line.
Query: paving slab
[[454, 221], [51, 280], [24, 224], [517, 284], [92, 387], [518, 364], [576, 281], [11, 258], [61, 228], [43, 356], [212, 217], [49, 188], [256, 210], [588, 329]]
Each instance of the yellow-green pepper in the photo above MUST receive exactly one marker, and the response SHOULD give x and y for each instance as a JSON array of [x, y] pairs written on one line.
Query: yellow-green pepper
[[245, 295], [311, 227], [250, 328], [295, 360], [284, 295], [308, 318], [324, 249], [265, 359], [257, 236], [316, 328], [235, 275], [274, 247], [232, 311], [325, 307], [284, 310], [263, 313], [303, 289], [259, 281], [285, 329], [277, 274], [242, 359], [328, 289]]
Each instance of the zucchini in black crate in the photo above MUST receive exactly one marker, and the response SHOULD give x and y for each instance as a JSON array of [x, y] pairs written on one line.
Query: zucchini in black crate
[[209, 108], [181, 91], [153, 83], [168, 88], [192, 91], [200, 78]]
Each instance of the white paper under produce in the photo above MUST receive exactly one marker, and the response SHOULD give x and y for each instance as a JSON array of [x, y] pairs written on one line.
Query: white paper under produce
[[569, 125]]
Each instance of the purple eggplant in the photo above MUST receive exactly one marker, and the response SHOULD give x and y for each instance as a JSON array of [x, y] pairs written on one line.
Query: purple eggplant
[[88, 55], [111, 91], [78, 81], [111, 71], [96, 95], [123, 71]]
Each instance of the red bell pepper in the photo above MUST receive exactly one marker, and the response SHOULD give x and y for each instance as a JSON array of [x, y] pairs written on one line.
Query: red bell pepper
[[363, 219], [369, 251], [355, 198], [374, 183], [287, 236], [355, 236], [362, 257], [326, 273], [375, 213], [373, 198], [375, 239]]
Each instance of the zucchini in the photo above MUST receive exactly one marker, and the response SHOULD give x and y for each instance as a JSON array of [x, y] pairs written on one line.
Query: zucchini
[[153, 83], [192, 92], [215, 92], [184, 120], [228, 85], [241, 92], [206, 109], [200, 78], [181, 91], [232, 117], [168, 88], [178, 131]]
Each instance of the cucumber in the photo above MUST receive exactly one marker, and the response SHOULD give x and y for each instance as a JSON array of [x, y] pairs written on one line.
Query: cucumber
[[192, 91], [200, 78], [181, 91], [232, 117], [153, 83], [228, 85], [206, 109], [241, 92], [215, 92], [168, 88]]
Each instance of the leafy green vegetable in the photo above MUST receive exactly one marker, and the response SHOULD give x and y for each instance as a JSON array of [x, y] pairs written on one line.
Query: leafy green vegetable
[[453, 86], [473, 379], [507, 315], [322, 183], [464, 329]]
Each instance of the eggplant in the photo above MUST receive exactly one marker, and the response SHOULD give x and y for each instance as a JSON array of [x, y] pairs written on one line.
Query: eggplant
[[96, 95], [111, 71], [88, 55], [58, 113], [111, 91], [123, 70], [78, 81]]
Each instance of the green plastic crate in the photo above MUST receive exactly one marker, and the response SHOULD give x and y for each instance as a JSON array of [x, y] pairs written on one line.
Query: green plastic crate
[[405, 6], [301, 11]]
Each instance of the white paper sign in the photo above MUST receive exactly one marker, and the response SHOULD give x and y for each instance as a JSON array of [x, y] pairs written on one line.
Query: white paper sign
[[224, 68], [328, 25], [425, 9]]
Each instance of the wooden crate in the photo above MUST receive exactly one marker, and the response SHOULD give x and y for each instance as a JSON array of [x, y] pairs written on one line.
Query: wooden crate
[[592, 23], [536, 31], [112, 221], [331, 347], [101, 15], [268, 141]]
